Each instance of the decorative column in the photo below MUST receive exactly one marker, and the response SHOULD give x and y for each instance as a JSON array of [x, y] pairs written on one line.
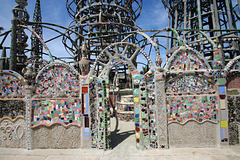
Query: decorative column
[[160, 98], [221, 85], [29, 91], [29, 88], [84, 94]]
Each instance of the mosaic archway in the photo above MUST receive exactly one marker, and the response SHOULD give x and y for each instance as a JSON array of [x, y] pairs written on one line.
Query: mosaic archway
[[144, 115], [192, 101], [233, 100], [56, 107], [13, 125]]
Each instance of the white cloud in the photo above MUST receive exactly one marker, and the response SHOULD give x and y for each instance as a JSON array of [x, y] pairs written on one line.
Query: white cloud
[[153, 16]]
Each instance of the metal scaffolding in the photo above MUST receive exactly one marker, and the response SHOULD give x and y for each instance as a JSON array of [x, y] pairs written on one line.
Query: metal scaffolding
[[195, 20], [18, 37], [101, 23], [36, 45]]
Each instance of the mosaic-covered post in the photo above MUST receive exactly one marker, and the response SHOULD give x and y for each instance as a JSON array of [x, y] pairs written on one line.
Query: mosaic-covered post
[[105, 84], [144, 120], [29, 92], [221, 82], [93, 96], [161, 113]]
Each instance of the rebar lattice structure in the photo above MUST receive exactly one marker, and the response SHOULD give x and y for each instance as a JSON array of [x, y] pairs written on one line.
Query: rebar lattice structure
[[19, 37], [216, 18], [101, 23], [36, 45]]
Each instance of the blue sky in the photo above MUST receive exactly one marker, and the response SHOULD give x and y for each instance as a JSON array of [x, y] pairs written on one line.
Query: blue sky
[[153, 16]]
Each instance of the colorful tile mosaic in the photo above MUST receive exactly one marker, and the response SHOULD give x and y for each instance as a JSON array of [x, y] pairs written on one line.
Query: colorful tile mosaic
[[64, 111], [12, 109], [126, 104], [100, 114], [199, 108], [93, 113], [186, 61], [11, 86], [236, 65], [58, 80], [189, 83], [153, 114], [144, 115], [105, 86]]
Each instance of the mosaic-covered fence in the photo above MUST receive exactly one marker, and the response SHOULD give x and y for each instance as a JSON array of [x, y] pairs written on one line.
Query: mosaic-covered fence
[[12, 110], [56, 108], [192, 101]]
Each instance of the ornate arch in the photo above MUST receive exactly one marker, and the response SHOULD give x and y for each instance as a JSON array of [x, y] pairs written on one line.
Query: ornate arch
[[11, 84], [233, 65], [195, 61], [119, 57], [58, 79], [99, 104]]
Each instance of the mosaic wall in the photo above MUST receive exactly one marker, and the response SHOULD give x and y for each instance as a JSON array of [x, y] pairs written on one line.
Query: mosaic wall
[[189, 83], [193, 134], [13, 133], [11, 86], [57, 136], [63, 111], [12, 109], [185, 61], [234, 119], [58, 81], [199, 108]]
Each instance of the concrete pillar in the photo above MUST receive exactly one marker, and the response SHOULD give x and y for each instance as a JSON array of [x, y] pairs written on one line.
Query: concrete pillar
[[160, 98], [29, 92]]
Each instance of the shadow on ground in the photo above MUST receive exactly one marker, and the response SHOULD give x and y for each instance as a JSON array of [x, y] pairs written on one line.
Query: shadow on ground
[[118, 137]]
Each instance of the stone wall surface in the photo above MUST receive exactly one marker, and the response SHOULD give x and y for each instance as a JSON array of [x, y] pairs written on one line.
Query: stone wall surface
[[57, 136], [193, 134], [13, 134]]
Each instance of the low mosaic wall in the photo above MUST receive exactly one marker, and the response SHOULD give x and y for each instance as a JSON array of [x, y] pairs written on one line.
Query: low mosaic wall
[[193, 134], [13, 132], [57, 136], [64, 111]]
